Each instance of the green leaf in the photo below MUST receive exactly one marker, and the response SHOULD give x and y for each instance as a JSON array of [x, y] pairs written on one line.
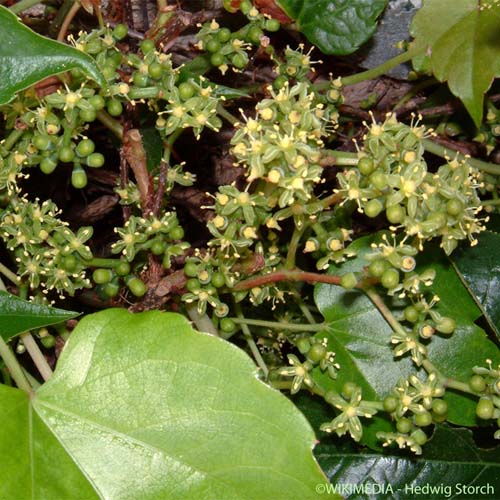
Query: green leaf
[[360, 337], [148, 408], [463, 38], [335, 26], [453, 467], [26, 57], [479, 269], [153, 145], [18, 315]]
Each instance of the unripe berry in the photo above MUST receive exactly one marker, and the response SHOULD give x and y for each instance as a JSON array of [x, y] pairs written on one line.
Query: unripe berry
[[485, 408], [227, 325], [423, 419], [403, 425], [102, 276], [390, 403], [390, 278], [136, 286], [477, 383], [317, 352]]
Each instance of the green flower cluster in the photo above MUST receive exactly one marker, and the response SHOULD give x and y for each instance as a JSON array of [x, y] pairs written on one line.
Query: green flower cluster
[[49, 255], [162, 236], [393, 177]]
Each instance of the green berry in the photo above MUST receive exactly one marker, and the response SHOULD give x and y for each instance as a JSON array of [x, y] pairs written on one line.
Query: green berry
[[411, 314], [378, 180], [446, 325], [93, 46], [254, 35], [122, 268], [280, 82], [212, 45], [155, 70], [136, 286], [390, 404], [419, 436], [48, 165], [218, 280], [217, 59], [120, 31], [272, 25], [317, 352], [439, 407], [111, 289], [303, 345], [348, 281], [403, 425], [193, 285], [485, 408], [186, 91], [395, 214], [366, 165], [78, 178], [69, 263], [423, 419], [114, 107], [140, 79], [239, 60], [390, 278], [246, 6], [176, 233], [97, 102], [224, 35], [477, 383], [42, 142], [85, 147], [227, 325], [49, 341], [191, 269], [88, 115], [377, 268], [95, 160], [348, 389], [66, 154], [102, 276], [454, 207], [147, 46], [158, 247], [373, 208]]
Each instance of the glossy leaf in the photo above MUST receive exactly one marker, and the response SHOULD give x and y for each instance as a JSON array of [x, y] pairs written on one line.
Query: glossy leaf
[[335, 26], [18, 315], [148, 408], [27, 58], [453, 467], [479, 268], [463, 39], [360, 337]]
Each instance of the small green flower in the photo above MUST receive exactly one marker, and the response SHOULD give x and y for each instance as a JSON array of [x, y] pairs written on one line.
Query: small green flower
[[130, 238], [402, 440], [351, 410], [408, 398], [299, 371], [76, 242], [431, 388], [407, 341]]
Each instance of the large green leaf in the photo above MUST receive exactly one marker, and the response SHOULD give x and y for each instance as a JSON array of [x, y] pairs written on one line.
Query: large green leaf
[[359, 335], [148, 408], [479, 268], [463, 38], [18, 315], [335, 26], [26, 57], [453, 467]]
